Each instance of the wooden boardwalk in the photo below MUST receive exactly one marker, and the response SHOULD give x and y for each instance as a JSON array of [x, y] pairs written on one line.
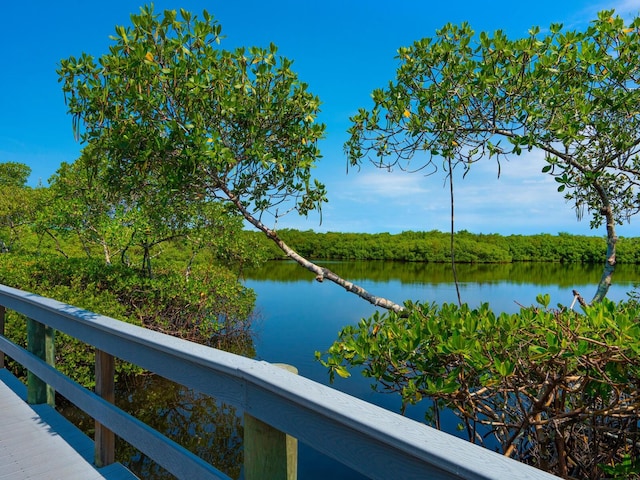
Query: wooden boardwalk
[[36, 442], [371, 440]]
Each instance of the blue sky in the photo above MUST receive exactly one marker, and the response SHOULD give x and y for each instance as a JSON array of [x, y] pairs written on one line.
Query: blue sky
[[343, 49]]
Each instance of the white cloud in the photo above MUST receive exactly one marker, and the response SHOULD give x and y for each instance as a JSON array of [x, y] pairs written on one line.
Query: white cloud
[[623, 7], [402, 201], [523, 200], [376, 185]]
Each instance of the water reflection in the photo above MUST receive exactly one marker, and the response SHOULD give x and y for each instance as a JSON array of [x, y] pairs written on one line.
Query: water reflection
[[532, 273], [210, 429]]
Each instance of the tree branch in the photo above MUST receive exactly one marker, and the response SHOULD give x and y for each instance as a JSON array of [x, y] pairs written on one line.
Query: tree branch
[[321, 273]]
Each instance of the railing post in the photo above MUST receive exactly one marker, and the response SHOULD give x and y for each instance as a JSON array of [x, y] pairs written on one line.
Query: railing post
[[105, 440], [2, 314], [269, 453], [40, 342]]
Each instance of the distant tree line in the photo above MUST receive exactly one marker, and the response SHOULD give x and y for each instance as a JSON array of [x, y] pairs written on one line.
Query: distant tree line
[[434, 246]]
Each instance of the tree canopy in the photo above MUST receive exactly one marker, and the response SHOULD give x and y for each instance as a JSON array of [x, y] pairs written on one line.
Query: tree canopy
[[178, 119], [461, 98], [174, 114], [18, 203], [14, 174]]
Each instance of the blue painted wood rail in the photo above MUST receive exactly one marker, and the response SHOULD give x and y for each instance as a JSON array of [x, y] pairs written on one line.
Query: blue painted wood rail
[[378, 443]]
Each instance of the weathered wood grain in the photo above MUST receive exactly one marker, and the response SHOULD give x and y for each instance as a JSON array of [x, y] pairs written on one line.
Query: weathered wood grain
[[105, 439], [39, 444]]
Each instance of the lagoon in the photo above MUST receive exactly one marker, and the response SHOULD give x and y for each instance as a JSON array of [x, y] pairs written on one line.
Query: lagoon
[[297, 316]]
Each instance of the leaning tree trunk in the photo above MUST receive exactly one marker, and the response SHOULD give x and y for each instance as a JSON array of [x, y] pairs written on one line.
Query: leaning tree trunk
[[322, 273]]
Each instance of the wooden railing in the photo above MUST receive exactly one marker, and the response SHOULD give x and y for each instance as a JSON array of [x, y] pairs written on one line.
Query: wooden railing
[[378, 443]]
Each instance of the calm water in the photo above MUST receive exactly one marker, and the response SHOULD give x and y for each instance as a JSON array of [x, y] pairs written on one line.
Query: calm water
[[298, 316]]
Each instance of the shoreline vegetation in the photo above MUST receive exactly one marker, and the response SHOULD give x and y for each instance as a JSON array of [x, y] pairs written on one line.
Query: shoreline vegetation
[[434, 246]]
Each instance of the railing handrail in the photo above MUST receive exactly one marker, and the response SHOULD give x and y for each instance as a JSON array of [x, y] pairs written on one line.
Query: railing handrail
[[369, 439]]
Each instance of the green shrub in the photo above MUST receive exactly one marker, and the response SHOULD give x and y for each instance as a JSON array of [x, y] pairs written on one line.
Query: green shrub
[[556, 388], [210, 306]]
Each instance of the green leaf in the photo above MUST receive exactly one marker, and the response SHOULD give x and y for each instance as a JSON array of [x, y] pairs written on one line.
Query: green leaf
[[342, 371], [537, 350], [543, 299]]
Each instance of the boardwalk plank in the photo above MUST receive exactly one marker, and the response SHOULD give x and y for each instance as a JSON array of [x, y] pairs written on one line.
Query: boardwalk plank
[[36, 442]]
